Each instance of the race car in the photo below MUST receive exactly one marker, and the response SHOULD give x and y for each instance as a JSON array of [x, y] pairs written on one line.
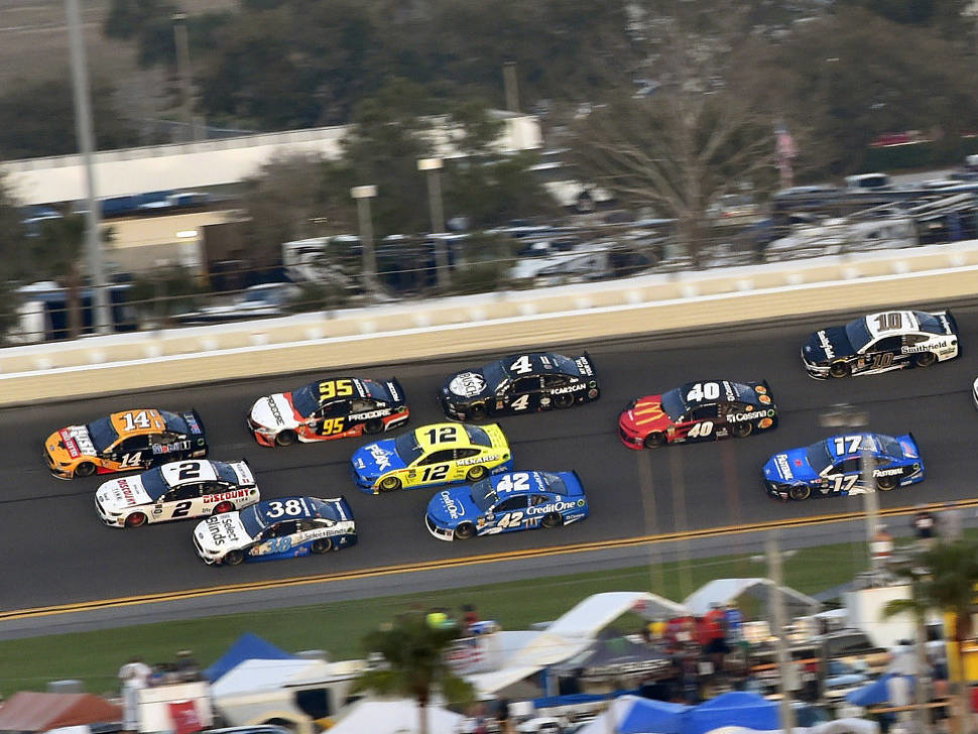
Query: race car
[[287, 527], [832, 466], [439, 453], [698, 411], [175, 491], [505, 503], [328, 409], [521, 383], [881, 342], [126, 441]]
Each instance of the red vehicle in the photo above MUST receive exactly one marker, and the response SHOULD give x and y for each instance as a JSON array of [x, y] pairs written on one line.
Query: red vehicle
[[698, 411]]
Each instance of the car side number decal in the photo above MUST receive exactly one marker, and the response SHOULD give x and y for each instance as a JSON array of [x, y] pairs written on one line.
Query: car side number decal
[[701, 429], [434, 473], [521, 403], [846, 483], [881, 360], [510, 520], [133, 459], [182, 509], [331, 426]]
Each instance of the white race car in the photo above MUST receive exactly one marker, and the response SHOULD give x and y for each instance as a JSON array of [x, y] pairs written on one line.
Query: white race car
[[178, 490]]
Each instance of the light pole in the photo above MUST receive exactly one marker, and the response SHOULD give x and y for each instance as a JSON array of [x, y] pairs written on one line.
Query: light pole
[[182, 44], [848, 418], [776, 600], [363, 195], [433, 168]]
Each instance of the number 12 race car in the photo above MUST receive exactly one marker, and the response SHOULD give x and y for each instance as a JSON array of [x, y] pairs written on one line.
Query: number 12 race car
[[128, 441]]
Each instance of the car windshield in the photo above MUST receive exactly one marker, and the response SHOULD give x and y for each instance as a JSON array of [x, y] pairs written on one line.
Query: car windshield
[[495, 373], [672, 403], [102, 434], [406, 446], [477, 436], [251, 520], [818, 456], [858, 333], [929, 323], [306, 399], [153, 483], [484, 495]]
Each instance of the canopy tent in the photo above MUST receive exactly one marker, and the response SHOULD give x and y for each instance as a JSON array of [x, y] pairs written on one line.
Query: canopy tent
[[613, 657], [636, 715], [29, 711], [247, 647], [395, 717], [252, 676], [880, 691], [726, 591], [737, 708]]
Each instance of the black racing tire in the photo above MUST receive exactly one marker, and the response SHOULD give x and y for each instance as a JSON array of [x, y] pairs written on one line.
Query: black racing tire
[[840, 369], [552, 520], [85, 469], [476, 413], [136, 520], [476, 473], [389, 484], [924, 359], [800, 492], [221, 507], [654, 440], [885, 484], [321, 545], [465, 531], [373, 426], [285, 438], [233, 558], [564, 400], [742, 430]]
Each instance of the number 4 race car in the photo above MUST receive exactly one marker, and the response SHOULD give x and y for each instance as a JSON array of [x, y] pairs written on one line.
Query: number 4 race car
[[328, 409], [181, 489], [128, 441], [521, 383]]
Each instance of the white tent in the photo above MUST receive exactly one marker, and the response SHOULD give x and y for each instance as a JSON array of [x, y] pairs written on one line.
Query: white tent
[[395, 717], [261, 675], [722, 591]]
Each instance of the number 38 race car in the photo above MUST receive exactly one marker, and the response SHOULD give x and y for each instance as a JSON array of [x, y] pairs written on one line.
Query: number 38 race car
[[288, 527], [175, 491], [134, 439], [328, 409]]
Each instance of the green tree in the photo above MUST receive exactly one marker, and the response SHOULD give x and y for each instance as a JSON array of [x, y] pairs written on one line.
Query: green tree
[[58, 254], [13, 243], [414, 663]]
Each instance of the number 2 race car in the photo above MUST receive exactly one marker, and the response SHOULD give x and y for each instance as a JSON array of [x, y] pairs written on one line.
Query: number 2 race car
[[328, 409], [521, 383], [175, 491], [288, 527], [440, 453], [698, 411], [127, 441]]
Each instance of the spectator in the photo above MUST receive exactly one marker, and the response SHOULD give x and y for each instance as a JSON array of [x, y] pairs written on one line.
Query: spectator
[[469, 617], [133, 676], [925, 528], [734, 623]]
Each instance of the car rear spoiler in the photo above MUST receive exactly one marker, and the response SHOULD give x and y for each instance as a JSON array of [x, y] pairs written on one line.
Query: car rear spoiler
[[396, 391], [343, 506]]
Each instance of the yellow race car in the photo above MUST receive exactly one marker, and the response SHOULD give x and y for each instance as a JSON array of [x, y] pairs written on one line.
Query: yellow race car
[[440, 453], [127, 441]]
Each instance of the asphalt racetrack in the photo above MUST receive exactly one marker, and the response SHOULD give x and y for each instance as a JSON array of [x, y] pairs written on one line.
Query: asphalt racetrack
[[55, 550]]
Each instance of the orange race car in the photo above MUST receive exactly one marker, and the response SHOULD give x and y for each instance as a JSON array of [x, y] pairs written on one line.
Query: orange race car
[[127, 441]]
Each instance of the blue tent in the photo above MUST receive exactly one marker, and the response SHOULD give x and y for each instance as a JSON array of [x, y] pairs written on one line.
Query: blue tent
[[875, 693], [247, 647], [737, 708], [648, 714]]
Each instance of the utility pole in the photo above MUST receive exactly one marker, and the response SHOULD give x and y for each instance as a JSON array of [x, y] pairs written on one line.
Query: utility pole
[[776, 600]]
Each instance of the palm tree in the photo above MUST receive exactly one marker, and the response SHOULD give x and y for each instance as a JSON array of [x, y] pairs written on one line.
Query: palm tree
[[415, 663]]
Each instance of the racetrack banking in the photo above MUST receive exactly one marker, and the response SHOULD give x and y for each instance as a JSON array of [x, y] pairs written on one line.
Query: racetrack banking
[[405, 568]]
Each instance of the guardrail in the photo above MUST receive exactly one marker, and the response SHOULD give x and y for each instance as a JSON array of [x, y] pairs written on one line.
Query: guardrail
[[496, 321]]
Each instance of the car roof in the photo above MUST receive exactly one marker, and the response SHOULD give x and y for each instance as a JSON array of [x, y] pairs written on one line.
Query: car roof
[[852, 450], [311, 507], [360, 387], [156, 423], [908, 323], [541, 362], [424, 434], [172, 473], [730, 392], [539, 483]]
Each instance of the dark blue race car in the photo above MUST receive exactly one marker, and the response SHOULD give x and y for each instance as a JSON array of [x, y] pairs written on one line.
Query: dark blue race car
[[505, 503], [833, 466], [286, 527]]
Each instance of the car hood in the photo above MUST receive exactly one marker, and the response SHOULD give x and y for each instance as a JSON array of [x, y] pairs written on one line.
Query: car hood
[[121, 494], [450, 507], [645, 414], [222, 533], [71, 442], [788, 466], [828, 344], [376, 458], [466, 385], [274, 411]]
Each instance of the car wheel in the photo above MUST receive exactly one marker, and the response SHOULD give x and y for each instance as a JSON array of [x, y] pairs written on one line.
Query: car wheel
[[85, 469], [136, 520], [742, 430], [285, 438], [924, 359], [476, 413], [222, 507], [564, 400], [233, 558], [373, 426], [885, 484], [840, 369], [390, 484], [800, 492], [322, 545], [465, 531], [654, 440], [476, 473], [552, 520]]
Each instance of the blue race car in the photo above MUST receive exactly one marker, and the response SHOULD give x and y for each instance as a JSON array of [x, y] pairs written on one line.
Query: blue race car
[[507, 502], [832, 466], [287, 527]]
